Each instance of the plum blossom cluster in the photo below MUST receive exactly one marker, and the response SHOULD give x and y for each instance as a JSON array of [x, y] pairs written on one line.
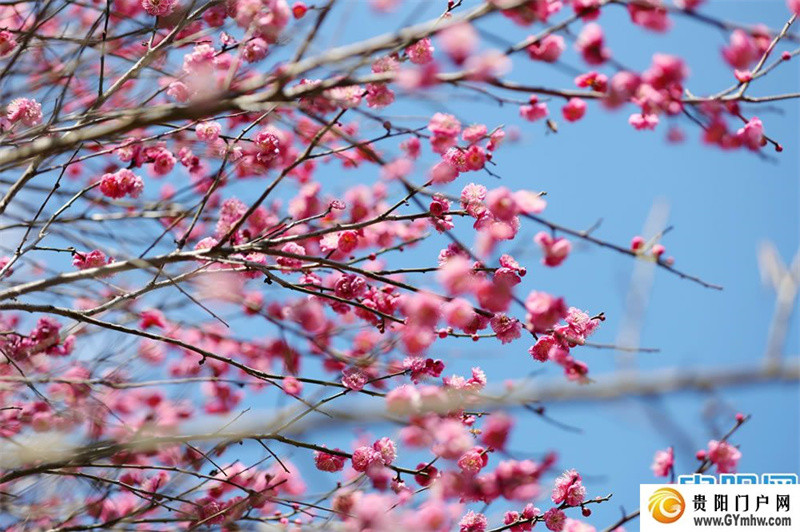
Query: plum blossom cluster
[[120, 184], [92, 259], [159, 160], [663, 462], [722, 454], [555, 250], [456, 159], [644, 248], [544, 313], [159, 8], [659, 90], [8, 43], [26, 111], [44, 339]]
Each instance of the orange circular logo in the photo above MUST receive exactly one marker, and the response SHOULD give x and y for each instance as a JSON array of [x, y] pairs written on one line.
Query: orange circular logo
[[666, 505]]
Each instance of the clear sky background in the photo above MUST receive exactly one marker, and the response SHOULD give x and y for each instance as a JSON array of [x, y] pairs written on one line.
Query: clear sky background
[[722, 206]]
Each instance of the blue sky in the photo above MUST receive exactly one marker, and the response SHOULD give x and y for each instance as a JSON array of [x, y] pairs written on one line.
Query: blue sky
[[722, 206]]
